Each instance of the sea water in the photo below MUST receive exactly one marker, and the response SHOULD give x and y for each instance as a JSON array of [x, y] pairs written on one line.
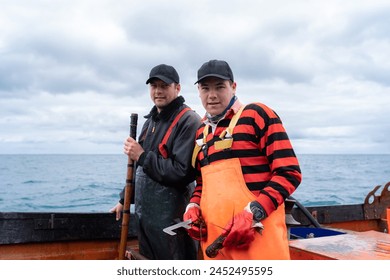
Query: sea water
[[91, 183]]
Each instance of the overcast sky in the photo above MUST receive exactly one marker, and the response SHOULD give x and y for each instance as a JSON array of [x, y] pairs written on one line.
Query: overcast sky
[[72, 72]]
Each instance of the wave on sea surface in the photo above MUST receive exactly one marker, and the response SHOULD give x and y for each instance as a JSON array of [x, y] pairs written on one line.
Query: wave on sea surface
[[91, 183]]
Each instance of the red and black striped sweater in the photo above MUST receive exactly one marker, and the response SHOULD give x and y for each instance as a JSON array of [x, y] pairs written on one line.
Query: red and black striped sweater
[[268, 162]]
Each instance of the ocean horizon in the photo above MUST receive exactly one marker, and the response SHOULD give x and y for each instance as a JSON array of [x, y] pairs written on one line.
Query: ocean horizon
[[92, 182]]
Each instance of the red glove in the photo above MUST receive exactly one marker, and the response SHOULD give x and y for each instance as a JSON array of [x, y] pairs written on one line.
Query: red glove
[[198, 229], [241, 229]]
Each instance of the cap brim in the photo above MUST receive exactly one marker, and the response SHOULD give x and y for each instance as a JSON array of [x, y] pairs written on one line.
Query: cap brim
[[212, 75], [162, 78]]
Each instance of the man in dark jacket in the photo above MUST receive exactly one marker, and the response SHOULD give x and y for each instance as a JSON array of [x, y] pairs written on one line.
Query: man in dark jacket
[[164, 180]]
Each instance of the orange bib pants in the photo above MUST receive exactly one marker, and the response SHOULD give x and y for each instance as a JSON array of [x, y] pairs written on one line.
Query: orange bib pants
[[225, 194]]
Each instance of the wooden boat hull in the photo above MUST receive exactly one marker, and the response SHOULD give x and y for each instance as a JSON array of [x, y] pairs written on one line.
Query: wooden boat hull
[[357, 230], [81, 236], [367, 245], [64, 250]]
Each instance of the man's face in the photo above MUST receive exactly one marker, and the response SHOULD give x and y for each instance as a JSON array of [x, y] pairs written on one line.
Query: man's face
[[162, 93], [216, 94]]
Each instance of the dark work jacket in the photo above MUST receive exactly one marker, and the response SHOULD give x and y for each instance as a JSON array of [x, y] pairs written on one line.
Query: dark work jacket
[[163, 186]]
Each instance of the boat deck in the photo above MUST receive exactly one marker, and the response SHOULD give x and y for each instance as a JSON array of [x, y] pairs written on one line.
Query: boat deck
[[368, 245]]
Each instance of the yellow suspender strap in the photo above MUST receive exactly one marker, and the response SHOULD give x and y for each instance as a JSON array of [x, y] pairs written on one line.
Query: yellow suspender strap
[[232, 123], [229, 130], [197, 147]]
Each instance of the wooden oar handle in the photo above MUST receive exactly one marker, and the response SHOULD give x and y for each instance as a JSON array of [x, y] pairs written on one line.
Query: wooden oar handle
[[133, 125], [128, 192]]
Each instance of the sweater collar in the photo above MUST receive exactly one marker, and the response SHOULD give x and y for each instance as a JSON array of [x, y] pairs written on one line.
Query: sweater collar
[[168, 110], [231, 111]]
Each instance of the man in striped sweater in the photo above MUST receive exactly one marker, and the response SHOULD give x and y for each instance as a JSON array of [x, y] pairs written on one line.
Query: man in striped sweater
[[246, 168]]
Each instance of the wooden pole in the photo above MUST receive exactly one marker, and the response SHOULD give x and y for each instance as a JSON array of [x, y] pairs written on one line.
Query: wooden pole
[[128, 192]]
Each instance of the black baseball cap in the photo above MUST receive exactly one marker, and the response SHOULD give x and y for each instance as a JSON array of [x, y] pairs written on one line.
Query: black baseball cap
[[215, 68], [164, 72]]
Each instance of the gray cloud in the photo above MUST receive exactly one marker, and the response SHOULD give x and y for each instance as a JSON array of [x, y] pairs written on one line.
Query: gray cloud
[[71, 72]]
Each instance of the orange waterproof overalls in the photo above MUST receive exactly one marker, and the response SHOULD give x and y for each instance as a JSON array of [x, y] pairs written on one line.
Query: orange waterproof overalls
[[388, 220], [224, 193]]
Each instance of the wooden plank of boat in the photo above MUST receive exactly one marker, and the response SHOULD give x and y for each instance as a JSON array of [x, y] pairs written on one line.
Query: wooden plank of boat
[[63, 236], [65, 250], [360, 230], [46, 227], [368, 245]]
